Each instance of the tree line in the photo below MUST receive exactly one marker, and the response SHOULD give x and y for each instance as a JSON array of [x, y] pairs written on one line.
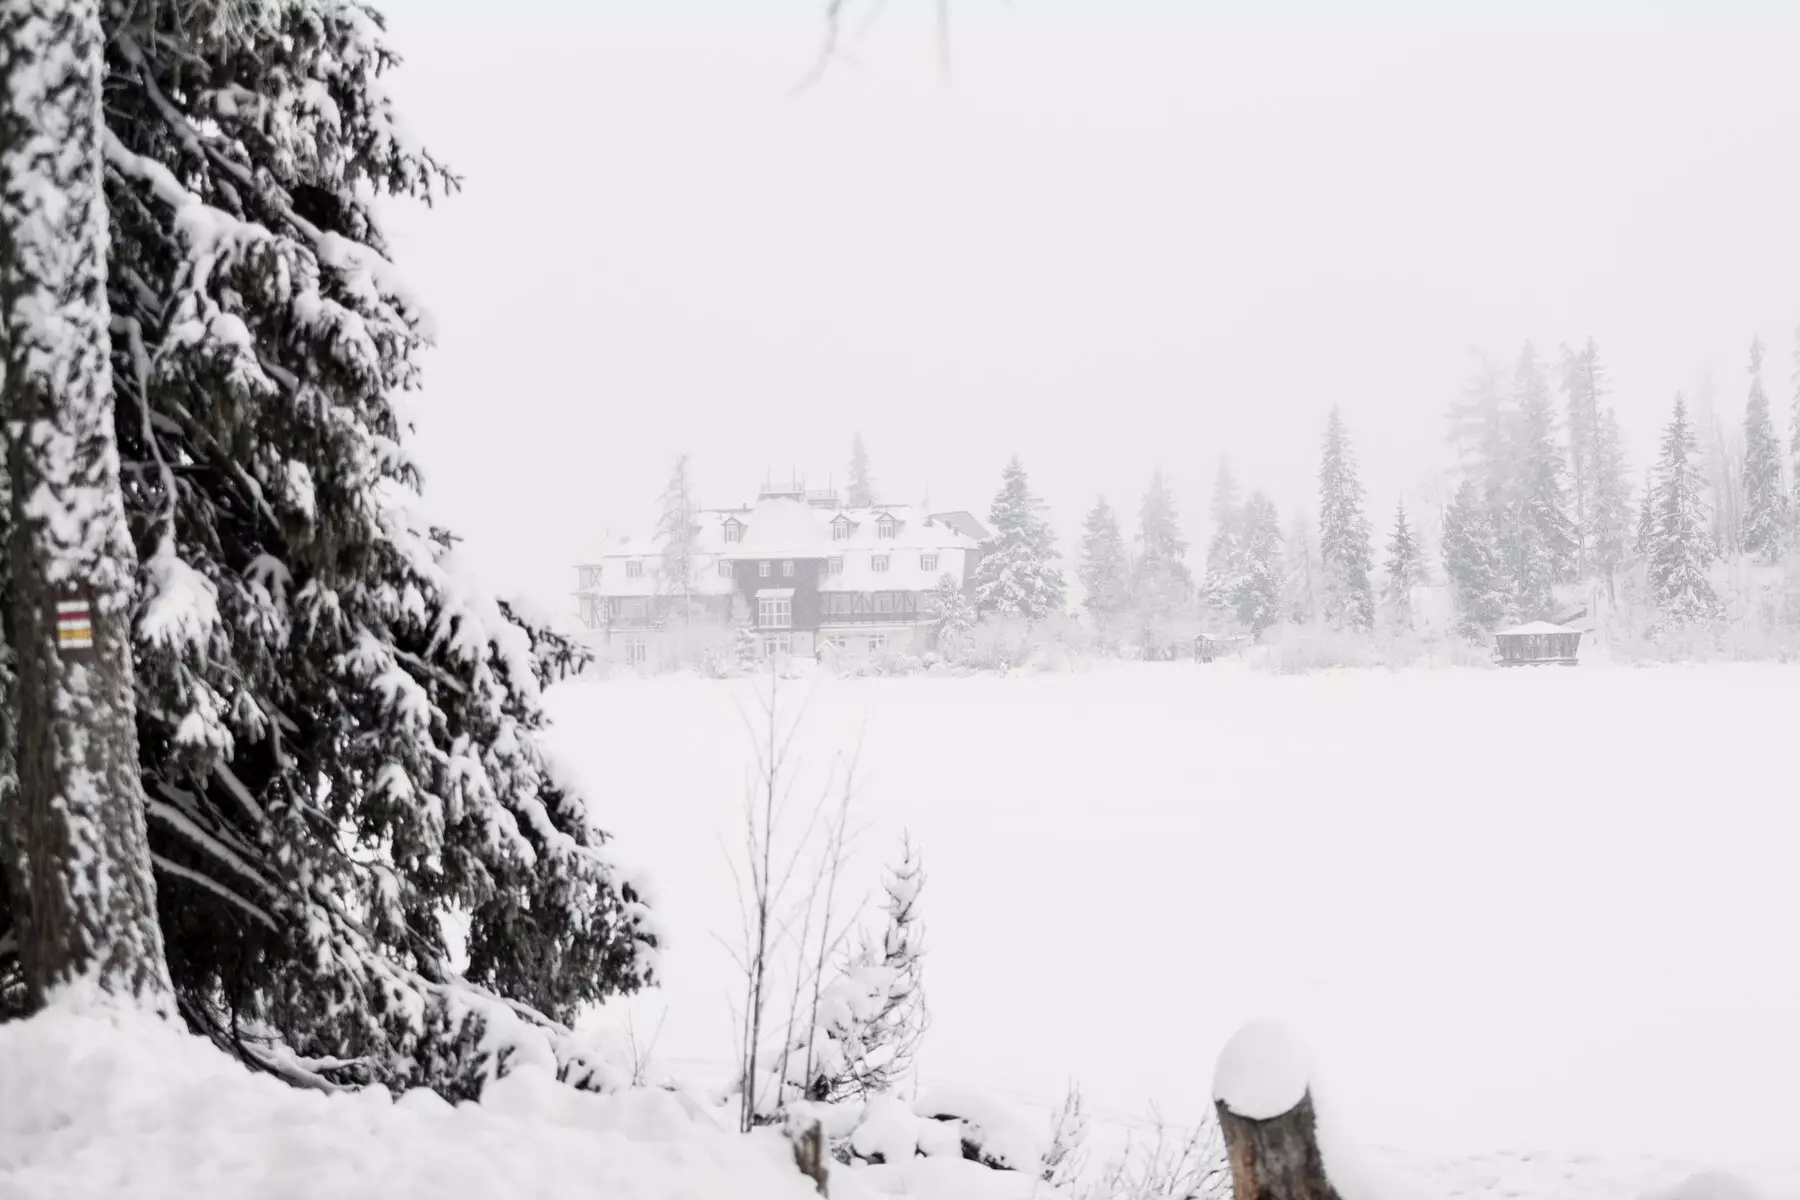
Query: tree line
[[1543, 500]]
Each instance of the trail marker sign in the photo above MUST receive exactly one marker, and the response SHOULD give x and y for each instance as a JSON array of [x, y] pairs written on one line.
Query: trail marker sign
[[75, 627]]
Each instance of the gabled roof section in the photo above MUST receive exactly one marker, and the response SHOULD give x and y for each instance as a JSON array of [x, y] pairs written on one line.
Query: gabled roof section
[[964, 523]]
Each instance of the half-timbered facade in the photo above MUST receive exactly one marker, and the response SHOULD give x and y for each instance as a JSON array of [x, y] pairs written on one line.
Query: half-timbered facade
[[802, 571]]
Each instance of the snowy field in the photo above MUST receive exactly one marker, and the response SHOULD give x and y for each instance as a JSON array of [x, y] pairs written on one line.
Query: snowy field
[[1516, 912]]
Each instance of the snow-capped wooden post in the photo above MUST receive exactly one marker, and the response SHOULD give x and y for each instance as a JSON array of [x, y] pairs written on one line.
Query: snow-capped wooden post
[[1262, 1090], [808, 1137]]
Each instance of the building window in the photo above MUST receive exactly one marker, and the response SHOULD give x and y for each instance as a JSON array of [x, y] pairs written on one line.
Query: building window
[[774, 612], [725, 569], [762, 570], [834, 566], [633, 610], [839, 603], [734, 531], [787, 569], [927, 562], [884, 602], [778, 645], [636, 652], [877, 643], [634, 569], [885, 528], [878, 563]]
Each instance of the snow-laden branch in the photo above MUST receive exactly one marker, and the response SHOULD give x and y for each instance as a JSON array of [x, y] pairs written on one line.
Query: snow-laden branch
[[169, 815], [215, 887], [365, 271]]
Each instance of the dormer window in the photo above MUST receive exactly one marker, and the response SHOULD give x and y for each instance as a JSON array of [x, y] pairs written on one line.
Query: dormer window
[[840, 529], [885, 527], [734, 530], [634, 569]]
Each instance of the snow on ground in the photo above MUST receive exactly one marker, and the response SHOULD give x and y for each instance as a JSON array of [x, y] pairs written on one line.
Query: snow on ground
[[96, 1103], [1522, 918]]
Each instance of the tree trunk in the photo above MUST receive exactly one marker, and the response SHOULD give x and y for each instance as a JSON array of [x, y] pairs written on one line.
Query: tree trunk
[[84, 898], [1276, 1159]]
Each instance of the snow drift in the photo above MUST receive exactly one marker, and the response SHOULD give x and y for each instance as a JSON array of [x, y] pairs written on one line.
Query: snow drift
[[96, 1101]]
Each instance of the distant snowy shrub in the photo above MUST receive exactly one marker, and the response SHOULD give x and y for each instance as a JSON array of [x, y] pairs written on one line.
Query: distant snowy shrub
[[1167, 1164], [1290, 651]]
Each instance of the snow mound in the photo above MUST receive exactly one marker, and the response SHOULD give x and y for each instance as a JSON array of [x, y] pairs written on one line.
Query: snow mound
[[1003, 1134], [1263, 1071], [1708, 1185], [889, 1131], [100, 1101]]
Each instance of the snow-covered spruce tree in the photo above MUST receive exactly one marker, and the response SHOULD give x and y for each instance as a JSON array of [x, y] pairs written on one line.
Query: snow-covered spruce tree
[[1105, 568], [1257, 603], [338, 732], [952, 614], [1299, 593], [1343, 533], [1681, 546], [1794, 442], [1609, 512], [1405, 569], [1537, 539], [1765, 499], [1017, 577], [870, 1019], [1722, 466], [676, 533], [81, 898], [1472, 561], [1481, 429], [1644, 541], [860, 493], [1584, 382], [1223, 561], [1163, 586]]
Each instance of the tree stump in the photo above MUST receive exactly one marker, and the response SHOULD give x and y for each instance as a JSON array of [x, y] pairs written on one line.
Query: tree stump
[[1277, 1158], [808, 1138], [1262, 1088]]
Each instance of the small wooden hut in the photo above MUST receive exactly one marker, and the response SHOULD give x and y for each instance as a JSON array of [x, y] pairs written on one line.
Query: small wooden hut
[[1537, 644], [1211, 646]]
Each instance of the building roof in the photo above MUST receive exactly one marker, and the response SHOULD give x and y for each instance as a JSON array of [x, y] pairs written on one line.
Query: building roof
[[784, 527], [965, 524], [1534, 627]]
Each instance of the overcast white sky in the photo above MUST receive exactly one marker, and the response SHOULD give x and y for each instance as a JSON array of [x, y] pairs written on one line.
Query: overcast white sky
[[1127, 234]]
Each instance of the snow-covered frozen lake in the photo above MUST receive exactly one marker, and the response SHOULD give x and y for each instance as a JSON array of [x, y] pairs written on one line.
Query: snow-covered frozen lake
[[1549, 909]]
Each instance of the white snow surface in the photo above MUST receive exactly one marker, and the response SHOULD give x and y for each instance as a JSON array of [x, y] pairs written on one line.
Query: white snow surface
[[98, 1102], [1263, 1071], [1523, 920], [1537, 627], [1010, 1134], [888, 1130]]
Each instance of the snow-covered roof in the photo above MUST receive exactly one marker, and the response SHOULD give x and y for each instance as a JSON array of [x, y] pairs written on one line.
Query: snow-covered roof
[[780, 527], [1535, 627]]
